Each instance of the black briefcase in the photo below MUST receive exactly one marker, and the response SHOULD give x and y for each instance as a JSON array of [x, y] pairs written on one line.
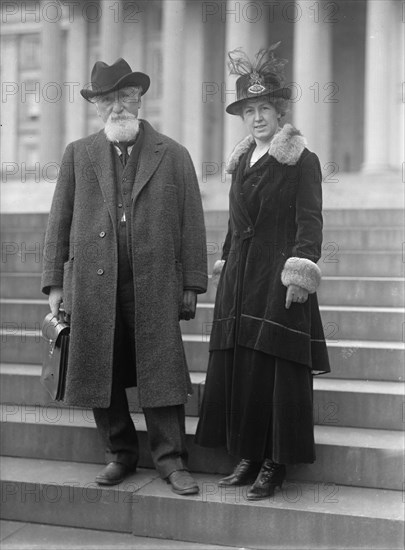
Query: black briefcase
[[55, 351]]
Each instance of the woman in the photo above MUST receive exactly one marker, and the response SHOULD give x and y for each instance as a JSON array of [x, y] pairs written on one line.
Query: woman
[[267, 338]]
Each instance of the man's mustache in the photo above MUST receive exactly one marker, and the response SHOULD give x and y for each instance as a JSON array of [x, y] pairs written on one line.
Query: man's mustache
[[120, 118]]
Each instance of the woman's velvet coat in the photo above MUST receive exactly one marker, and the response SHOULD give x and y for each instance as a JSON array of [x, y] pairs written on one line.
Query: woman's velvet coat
[[168, 256], [250, 295]]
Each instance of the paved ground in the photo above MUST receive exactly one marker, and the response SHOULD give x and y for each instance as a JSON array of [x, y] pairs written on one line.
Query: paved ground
[[15, 535]]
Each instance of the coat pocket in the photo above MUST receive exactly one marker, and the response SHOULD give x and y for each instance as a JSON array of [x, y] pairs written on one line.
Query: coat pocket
[[67, 285]]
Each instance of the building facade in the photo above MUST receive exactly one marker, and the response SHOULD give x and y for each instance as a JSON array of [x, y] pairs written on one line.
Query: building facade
[[345, 68]]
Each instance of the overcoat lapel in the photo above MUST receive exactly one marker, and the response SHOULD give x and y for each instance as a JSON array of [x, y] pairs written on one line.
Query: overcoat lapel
[[151, 155], [239, 208], [101, 157]]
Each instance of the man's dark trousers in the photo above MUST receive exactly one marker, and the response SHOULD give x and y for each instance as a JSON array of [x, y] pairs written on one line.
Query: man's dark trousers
[[165, 425]]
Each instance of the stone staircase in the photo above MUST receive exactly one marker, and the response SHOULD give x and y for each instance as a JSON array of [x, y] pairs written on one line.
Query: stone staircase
[[352, 497]]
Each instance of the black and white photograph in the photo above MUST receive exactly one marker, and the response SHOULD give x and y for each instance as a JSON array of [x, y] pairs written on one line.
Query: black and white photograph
[[202, 275]]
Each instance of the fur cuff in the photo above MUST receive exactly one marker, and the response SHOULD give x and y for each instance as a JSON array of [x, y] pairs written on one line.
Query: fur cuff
[[301, 272], [216, 272]]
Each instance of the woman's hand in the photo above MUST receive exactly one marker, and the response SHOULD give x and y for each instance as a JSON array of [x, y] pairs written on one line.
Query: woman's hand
[[55, 299], [295, 294]]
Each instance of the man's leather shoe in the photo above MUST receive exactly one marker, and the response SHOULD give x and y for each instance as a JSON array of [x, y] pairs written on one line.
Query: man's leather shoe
[[244, 473], [114, 473], [271, 475], [183, 483]]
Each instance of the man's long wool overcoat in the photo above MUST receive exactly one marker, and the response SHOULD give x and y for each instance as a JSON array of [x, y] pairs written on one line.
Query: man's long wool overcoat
[[168, 256], [250, 303]]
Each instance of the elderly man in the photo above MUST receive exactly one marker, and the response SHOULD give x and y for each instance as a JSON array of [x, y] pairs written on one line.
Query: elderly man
[[125, 250]]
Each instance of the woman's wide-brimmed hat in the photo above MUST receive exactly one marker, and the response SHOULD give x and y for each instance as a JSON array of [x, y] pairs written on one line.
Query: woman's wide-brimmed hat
[[262, 77], [108, 78]]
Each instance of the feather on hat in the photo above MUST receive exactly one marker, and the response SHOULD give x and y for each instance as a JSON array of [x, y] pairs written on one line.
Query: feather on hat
[[261, 77]]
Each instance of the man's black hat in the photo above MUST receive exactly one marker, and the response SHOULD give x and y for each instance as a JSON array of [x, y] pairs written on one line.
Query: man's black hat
[[108, 78]]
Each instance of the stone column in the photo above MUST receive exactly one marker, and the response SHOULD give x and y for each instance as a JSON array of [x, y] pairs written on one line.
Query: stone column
[[51, 116], [239, 33], [314, 90], [78, 76], [11, 98], [174, 81], [380, 90], [397, 144], [111, 30], [192, 114]]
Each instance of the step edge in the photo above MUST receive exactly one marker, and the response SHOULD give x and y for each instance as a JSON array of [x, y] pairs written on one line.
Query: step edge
[[389, 345], [356, 496], [210, 306], [359, 386], [67, 417]]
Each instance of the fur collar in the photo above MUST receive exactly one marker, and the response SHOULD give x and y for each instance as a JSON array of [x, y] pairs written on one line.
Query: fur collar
[[286, 147]]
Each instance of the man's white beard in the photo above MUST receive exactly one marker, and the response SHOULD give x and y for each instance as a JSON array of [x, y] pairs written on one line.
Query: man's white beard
[[122, 128]]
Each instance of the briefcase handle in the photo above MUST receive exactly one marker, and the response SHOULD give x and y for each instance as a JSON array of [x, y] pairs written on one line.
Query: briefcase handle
[[53, 326], [63, 317]]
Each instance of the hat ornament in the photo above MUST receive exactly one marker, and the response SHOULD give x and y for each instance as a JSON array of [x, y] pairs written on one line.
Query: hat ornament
[[265, 63], [262, 76]]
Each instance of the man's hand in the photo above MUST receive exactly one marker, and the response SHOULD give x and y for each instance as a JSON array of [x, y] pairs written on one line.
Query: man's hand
[[189, 305], [295, 294], [55, 298]]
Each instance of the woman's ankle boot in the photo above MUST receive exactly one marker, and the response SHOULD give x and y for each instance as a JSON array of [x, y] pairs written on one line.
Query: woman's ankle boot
[[271, 475], [244, 473]]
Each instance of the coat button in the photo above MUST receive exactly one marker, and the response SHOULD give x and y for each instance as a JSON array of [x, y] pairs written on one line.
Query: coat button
[[100, 271], [102, 234]]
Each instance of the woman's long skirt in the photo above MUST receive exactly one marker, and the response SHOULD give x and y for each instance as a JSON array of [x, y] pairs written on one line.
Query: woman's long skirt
[[258, 406]]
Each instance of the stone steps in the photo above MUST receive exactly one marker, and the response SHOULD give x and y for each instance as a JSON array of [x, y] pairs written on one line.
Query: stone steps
[[352, 359], [348, 291], [353, 263], [335, 261], [20, 285], [350, 497], [339, 322], [24, 242], [340, 237], [362, 291], [356, 403], [346, 456], [317, 515], [367, 217]]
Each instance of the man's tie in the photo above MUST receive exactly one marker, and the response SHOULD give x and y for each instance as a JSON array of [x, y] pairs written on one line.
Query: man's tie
[[123, 147]]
